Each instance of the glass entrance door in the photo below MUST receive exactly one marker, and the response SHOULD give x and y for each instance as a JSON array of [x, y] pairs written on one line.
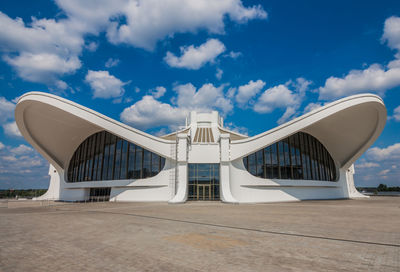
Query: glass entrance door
[[203, 181]]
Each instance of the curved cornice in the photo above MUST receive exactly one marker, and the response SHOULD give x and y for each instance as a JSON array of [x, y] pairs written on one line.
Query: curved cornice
[[56, 126]]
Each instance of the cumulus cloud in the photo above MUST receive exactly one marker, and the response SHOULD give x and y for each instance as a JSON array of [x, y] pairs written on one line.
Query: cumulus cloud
[[6, 109], [248, 91], [149, 112], [1, 145], [233, 55], [375, 78], [104, 85], [312, 106], [21, 149], [219, 73], [367, 165], [44, 50], [195, 57], [111, 63], [396, 114], [11, 129], [44, 67], [287, 96], [205, 98], [22, 167], [379, 154], [158, 91], [147, 22], [391, 32]]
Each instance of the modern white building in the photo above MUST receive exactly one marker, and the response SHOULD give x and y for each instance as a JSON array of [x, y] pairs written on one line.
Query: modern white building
[[91, 155]]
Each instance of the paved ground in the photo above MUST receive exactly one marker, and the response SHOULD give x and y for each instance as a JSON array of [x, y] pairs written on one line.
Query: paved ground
[[341, 235]]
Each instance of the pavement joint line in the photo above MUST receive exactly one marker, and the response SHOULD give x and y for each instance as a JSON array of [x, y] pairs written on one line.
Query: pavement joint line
[[250, 229]]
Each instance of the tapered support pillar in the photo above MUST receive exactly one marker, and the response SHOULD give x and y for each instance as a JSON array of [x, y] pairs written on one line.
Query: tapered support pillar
[[226, 194], [181, 170]]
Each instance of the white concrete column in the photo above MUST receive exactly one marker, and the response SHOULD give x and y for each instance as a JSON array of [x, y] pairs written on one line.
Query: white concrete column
[[351, 188], [225, 186], [53, 193], [181, 172]]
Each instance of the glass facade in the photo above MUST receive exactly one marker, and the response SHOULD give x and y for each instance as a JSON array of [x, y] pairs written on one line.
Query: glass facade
[[104, 156], [300, 156], [203, 181]]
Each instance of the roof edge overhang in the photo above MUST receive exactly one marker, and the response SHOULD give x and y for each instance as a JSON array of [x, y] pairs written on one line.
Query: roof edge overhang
[[347, 128], [56, 127]]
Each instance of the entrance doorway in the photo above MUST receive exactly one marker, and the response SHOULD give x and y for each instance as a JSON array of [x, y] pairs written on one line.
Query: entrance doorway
[[203, 181]]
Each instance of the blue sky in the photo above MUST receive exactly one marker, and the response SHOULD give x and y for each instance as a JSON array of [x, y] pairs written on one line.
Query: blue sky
[[147, 63]]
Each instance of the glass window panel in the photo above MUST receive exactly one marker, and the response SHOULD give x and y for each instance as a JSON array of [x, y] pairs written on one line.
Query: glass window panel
[[275, 162], [146, 164], [281, 159], [260, 163], [87, 163], [95, 156], [137, 171], [298, 170], [155, 164], [101, 156], [252, 164], [111, 162], [124, 160], [268, 162], [131, 160], [106, 157], [118, 153]]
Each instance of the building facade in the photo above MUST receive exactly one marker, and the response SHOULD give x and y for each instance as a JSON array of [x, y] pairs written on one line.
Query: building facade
[[92, 156]]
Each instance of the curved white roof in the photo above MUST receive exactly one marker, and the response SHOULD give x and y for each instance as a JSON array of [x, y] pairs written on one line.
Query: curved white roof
[[56, 126]]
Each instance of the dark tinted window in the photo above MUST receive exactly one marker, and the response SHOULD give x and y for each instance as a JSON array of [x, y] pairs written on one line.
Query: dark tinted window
[[300, 156], [104, 156]]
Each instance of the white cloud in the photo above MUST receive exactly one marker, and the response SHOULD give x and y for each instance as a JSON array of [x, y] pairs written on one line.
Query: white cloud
[[6, 109], [44, 67], [1, 145], [384, 172], [375, 78], [391, 32], [312, 106], [149, 112], [248, 91], [104, 85], [158, 91], [9, 158], [284, 98], [111, 62], [11, 129], [367, 165], [44, 50], [21, 149], [396, 114], [92, 46], [389, 153], [233, 55], [195, 57], [219, 73], [276, 97], [150, 21], [204, 99]]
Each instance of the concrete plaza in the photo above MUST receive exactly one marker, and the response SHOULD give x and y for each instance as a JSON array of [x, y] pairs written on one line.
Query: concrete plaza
[[335, 235]]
